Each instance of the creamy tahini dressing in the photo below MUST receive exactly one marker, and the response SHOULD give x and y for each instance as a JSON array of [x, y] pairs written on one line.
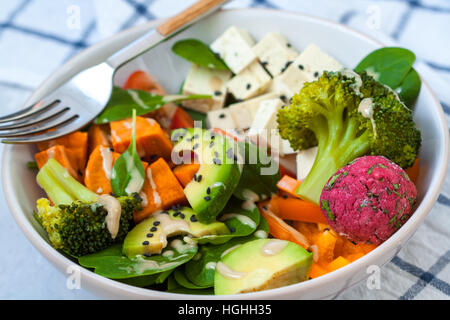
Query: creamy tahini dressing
[[261, 234], [250, 199], [273, 247], [112, 206], [243, 219], [156, 197], [107, 162], [211, 265], [144, 198], [141, 265], [169, 227], [181, 247], [365, 108], [227, 272], [358, 81], [230, 249], [134, 95]]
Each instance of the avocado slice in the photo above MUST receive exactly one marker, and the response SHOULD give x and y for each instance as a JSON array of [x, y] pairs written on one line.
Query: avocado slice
[[219, 171], [150, 236], [260, 265]]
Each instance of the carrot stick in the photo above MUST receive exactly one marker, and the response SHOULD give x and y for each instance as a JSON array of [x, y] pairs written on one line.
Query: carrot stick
[[280, 229], [288, 185], [413, 172], [296, 209]]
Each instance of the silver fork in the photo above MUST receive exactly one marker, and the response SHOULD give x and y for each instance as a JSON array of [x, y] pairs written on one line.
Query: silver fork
[[79, 100]]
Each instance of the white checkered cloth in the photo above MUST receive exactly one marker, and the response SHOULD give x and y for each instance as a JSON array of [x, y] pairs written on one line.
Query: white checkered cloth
[[36, 37]]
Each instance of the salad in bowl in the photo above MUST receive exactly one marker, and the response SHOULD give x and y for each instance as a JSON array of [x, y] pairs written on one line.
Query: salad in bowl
[[272, 165]]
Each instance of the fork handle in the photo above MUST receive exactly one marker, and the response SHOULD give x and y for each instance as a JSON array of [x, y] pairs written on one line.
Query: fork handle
[[171, 26]]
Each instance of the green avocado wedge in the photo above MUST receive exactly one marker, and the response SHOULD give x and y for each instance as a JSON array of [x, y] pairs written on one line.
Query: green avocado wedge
[[260, 265], [219, 171]]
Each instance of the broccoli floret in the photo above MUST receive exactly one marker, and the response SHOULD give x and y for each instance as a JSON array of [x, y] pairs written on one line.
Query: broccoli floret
[[76, 223], [328, 112]]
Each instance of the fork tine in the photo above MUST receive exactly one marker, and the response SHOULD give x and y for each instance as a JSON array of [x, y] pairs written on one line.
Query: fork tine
[[45, 116], [35, 109], [59, 121], [72, 126]]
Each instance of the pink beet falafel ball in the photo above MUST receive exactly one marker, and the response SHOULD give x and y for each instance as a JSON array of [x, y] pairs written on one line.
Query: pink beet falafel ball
[[368, 200]]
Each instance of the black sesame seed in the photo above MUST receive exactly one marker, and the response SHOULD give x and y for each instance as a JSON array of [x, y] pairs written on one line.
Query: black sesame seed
[[195, 177], [217, 93], [153, 229], [182, 216], [232, 229], [284, 196], [284, 98], [222, 115], [175, 214], [249, 85], [286, 65], [208, 191], [111, 149], [145, 243], [316, 74], [147, 255], [211, 144], [300, 66], [207, 198], [199, 178], [288, 45], [149, 235], [156, 223], [193, 218]]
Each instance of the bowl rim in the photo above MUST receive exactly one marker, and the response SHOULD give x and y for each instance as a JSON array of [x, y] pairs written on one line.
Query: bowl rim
[[124, 290]]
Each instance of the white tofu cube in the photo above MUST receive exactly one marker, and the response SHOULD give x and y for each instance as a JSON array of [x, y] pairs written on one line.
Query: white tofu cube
[[207, 81], [221, 119], [305, 161], [251, 82], [307, 67], [264, 125], [244, 112], [313, 61], [234, 46], [289, 82], [275, 53]]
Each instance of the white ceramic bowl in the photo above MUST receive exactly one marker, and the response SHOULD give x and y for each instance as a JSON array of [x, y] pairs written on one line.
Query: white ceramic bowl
[[346, 45]]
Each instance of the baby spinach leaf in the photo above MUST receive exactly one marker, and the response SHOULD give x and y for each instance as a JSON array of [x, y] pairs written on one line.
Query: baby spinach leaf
[[180, 278], [260, 173], [195, 51], [111, 263], [388, 65], [240, 221], [200, 270], [410, 88], [122, 102], [128, 170], [197, 116]]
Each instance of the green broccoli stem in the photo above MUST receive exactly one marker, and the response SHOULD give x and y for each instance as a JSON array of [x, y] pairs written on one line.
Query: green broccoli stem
[[60, 186], [335, 150]]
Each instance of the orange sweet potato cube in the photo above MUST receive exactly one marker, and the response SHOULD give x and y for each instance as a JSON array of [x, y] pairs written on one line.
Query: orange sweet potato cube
[[151, 140], [77, 142], [66, 157], [98, 135], [161, 190]]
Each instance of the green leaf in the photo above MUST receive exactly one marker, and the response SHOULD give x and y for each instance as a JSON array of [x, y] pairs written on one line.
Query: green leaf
[[260, 173], [200, 269], [242, 225], [410, 88], [388, 65], [111, 263], [122, 102], [197, 52], [128, 170], [180, 277]]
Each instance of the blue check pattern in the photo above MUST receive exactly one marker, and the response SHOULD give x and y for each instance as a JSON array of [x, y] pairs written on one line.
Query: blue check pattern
[[36, 37]]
